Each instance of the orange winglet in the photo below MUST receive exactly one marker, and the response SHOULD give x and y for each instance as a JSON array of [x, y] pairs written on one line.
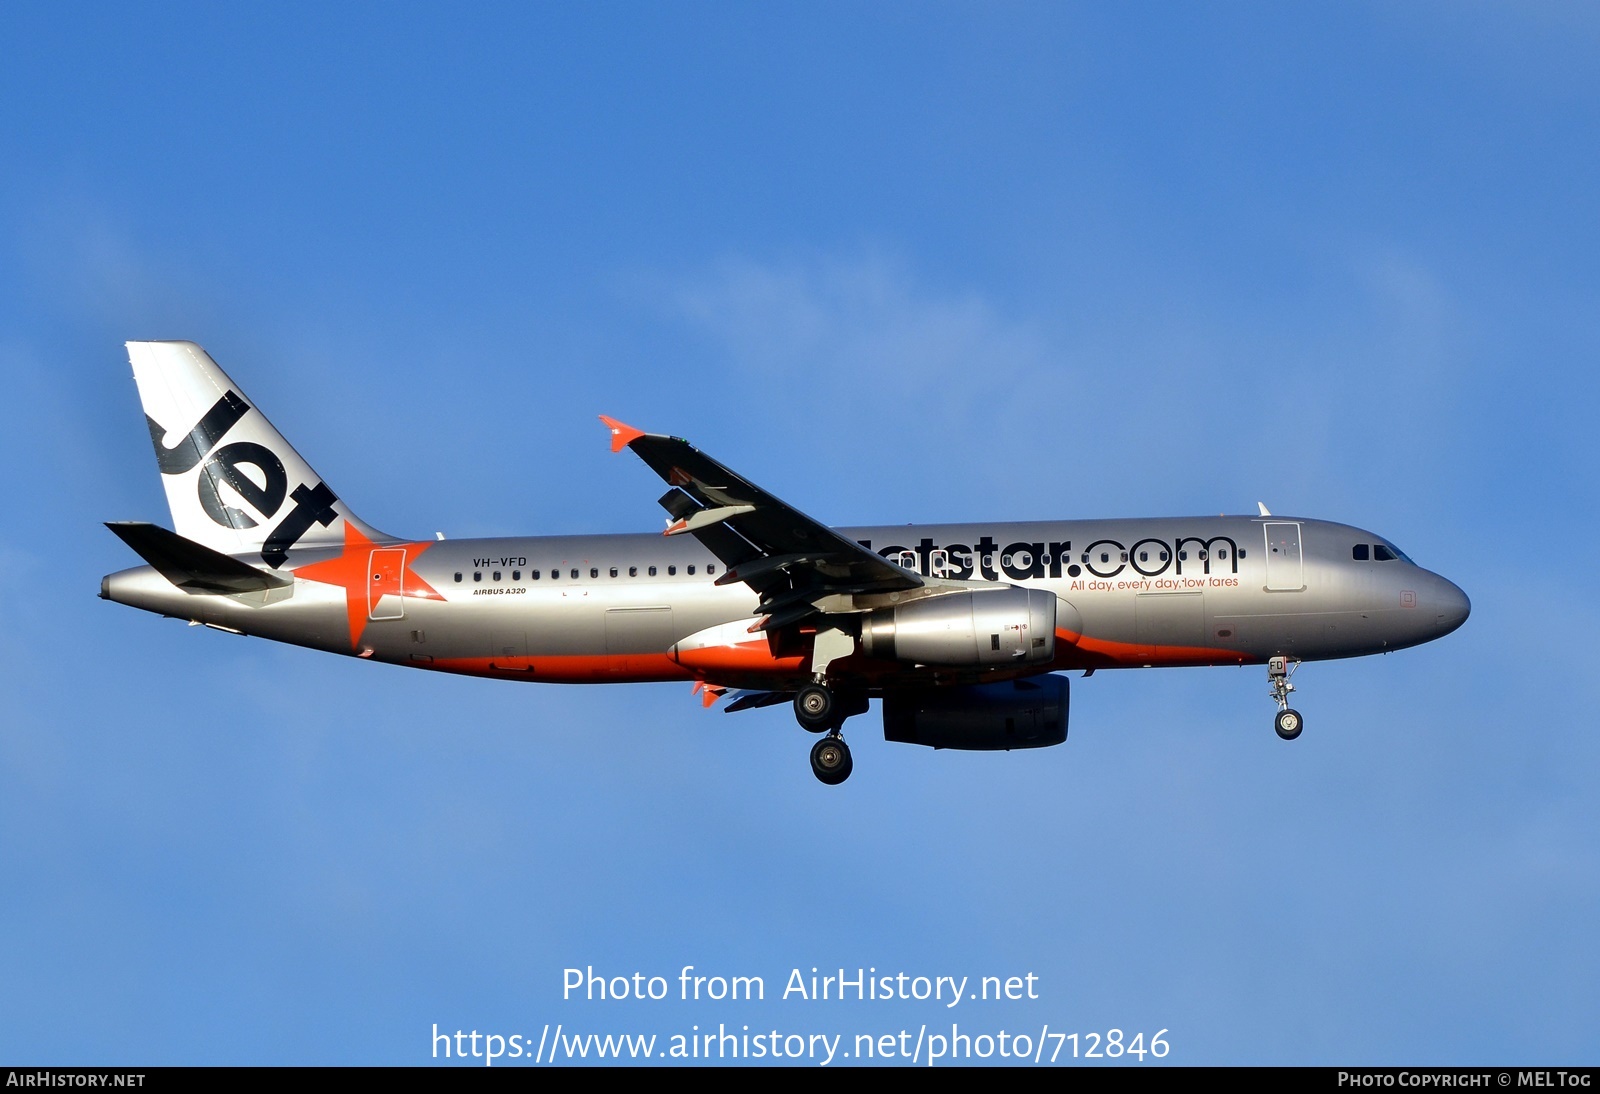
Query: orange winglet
[[622, 435]]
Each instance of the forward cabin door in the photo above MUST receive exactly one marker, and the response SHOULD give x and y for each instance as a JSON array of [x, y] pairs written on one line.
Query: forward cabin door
[[1285, 567]]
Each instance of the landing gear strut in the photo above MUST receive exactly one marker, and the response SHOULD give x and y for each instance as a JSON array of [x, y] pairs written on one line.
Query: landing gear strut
[[819, 709], [1288, 723]]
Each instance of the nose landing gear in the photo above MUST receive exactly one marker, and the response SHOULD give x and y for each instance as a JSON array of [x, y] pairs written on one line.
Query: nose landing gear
[[1288, 723]]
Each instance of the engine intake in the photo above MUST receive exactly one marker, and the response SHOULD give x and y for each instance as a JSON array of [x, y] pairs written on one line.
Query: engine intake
[[1004, 626], [982, 717]]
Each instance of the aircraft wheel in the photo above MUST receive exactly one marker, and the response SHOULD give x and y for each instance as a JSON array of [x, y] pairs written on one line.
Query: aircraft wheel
[[814, 707], [830, 760], [1288, 724]]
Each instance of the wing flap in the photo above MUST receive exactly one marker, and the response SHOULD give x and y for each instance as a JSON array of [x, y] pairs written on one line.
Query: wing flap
[[750, 700]]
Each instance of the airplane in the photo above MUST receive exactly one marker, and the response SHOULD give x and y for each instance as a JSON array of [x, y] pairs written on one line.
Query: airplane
[[961, 630]]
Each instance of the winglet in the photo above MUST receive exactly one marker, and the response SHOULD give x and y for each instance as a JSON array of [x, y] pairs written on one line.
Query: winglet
[[622, 435]]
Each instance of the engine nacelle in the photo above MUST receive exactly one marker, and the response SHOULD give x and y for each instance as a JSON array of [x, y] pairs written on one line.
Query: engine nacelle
[[983, 717], [1004, 626]]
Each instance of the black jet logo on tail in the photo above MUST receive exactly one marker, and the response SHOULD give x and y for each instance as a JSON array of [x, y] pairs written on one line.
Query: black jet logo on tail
[[312, 504]]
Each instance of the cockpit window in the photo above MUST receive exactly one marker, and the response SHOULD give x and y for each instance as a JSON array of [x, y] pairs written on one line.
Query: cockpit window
[[1382, 553], [1359, 552]]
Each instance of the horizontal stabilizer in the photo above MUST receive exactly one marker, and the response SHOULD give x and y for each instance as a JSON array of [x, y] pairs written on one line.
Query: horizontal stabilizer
[[194, 567]]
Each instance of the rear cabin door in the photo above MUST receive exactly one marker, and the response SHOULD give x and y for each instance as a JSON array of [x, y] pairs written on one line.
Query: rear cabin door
[[386, 591]]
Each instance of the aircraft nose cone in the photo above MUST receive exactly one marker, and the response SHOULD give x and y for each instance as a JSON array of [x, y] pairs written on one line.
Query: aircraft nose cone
[[1450, 605]]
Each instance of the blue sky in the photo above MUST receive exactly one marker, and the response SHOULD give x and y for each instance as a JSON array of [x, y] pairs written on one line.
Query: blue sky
[[895, 263]]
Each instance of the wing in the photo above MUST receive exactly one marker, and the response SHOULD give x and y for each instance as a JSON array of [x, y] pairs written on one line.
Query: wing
[[789, 559]]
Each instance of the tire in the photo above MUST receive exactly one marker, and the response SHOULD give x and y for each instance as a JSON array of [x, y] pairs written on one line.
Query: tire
[[830, 761], [1288, 724], [814, 708]]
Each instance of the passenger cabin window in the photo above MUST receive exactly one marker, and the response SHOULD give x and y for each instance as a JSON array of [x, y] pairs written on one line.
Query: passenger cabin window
[[574, 573], [594, 571], [652, 571], [534, 574], [497, 575], [458, 575], [633, 571], [477, 575], [711, 567], [613, 571], [1359, 552], [516, 575], [672, 571], [691, 569]]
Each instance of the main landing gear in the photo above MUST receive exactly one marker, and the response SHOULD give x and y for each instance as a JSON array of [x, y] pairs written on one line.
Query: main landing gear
[[819, 709], [1288, 723], [813, 708], [830, 759]]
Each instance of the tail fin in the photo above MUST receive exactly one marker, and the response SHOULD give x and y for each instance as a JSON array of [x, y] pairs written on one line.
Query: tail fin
[[233, 483]]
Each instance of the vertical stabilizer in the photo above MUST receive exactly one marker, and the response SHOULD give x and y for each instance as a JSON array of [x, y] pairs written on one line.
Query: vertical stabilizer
[[233, 483]]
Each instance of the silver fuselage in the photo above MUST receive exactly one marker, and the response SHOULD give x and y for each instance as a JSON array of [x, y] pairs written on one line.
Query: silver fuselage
[[617, 608]]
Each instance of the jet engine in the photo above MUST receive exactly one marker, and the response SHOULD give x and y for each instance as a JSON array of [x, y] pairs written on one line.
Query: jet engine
[[1003, 626], [982, 717]]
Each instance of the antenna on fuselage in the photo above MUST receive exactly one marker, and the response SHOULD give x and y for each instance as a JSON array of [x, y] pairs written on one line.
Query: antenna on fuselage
[[1261, 505]]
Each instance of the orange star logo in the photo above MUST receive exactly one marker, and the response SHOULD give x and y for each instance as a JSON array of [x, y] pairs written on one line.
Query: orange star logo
[[369, 572]]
